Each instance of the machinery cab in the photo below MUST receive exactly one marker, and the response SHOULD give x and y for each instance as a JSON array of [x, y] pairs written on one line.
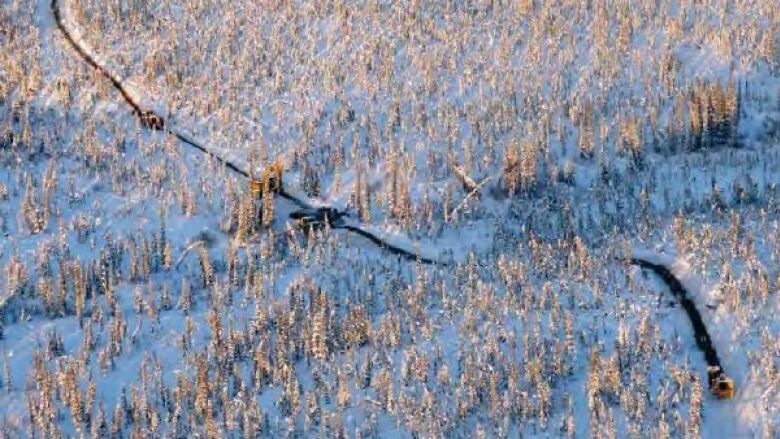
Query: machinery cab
[[721, 386]]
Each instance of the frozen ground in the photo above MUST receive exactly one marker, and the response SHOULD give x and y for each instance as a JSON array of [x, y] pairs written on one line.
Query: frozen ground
[[141, 295]]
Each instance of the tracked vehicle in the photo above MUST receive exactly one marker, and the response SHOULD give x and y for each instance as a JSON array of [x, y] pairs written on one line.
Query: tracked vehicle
[[317, 218], [721, 386]]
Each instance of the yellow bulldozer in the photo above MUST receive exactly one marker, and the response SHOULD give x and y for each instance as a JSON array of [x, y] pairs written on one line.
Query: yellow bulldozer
[[270, 179], [721, 386]]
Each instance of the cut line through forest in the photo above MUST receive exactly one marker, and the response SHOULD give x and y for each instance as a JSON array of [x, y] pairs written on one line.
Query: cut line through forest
[[702, 336], [155, 121]]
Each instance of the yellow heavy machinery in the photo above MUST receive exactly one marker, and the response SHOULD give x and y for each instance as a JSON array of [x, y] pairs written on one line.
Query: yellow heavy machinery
[[271, 179], [721, 386]]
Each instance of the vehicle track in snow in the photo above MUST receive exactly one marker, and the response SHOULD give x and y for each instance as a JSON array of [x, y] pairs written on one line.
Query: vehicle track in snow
[[155, 121], [703, 340]]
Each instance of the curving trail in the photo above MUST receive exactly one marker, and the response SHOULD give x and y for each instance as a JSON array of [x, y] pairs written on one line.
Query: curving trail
[[155, 121], [55, 8], [143, 114], [703, 339]]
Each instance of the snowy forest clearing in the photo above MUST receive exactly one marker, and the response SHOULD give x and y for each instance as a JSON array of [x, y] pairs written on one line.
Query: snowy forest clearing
[[147, 298]]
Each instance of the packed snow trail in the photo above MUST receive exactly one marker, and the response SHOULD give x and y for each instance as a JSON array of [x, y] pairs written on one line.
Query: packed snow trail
[[703, 339], [155, 121], [91, 61], [390, 247], [144, 115]]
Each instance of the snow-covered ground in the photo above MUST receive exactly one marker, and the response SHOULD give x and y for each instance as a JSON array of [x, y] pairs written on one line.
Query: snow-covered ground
[[141, 295]]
